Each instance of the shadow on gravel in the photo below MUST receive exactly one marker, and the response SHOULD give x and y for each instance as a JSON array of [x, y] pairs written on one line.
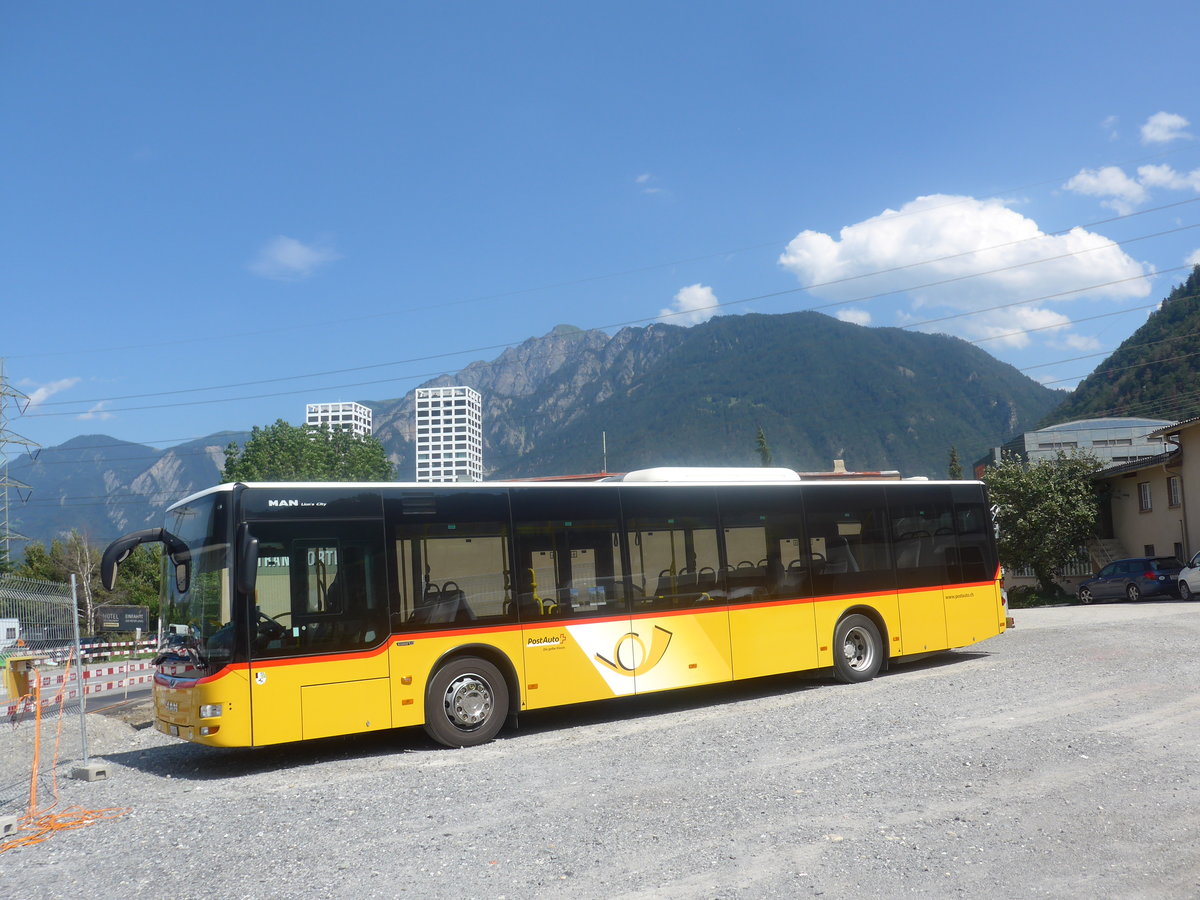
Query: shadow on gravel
[[604, 711], [191, 761]]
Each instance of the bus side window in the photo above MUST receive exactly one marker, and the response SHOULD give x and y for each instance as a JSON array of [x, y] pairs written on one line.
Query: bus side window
[[318, 594], [674, 551], [568, 554], [923, 535], [452, 557], [847, 527], [453, 576], [976, 549]]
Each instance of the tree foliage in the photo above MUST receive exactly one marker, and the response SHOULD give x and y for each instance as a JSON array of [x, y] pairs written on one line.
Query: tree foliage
[[1046, 510], [1148, 372], [283, 452], [954, 468], [764, 449]]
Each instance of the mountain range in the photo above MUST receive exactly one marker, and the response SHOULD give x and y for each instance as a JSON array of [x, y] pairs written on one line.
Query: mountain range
[[820, 389], [1155, 372]]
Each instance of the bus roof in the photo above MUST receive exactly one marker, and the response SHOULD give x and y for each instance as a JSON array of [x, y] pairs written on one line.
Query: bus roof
[[661, 476]]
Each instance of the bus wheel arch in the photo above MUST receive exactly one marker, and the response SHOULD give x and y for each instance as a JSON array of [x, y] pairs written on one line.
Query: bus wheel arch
[[469, 695], [860, 650]]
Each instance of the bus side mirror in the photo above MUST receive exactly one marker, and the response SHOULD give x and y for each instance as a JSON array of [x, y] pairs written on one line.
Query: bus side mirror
[[247, 575], [118, 551]]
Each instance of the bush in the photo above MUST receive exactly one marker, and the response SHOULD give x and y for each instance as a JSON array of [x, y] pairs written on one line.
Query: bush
[[1029, 596]]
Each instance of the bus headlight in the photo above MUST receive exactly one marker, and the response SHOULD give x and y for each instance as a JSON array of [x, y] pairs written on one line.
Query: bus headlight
[[210, 712]]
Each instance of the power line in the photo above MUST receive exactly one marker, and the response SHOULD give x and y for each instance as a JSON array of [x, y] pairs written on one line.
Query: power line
[[819, 307], [656, 266]]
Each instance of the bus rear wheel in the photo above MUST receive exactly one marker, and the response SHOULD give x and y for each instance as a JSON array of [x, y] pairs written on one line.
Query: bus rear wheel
[[857, 649], [466, 702]]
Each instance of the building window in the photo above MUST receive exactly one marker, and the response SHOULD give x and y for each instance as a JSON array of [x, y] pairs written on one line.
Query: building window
[[1174, 491], [1147, 549], [1144, 496], [1178, 550]]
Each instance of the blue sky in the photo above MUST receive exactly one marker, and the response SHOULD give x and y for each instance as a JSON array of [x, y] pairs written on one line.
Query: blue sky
[[255, 194]]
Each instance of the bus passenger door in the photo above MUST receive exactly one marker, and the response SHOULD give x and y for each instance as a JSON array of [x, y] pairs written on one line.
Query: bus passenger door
[[319, 631], [772, 626], [679, 634], [572, 595], [574, 611]]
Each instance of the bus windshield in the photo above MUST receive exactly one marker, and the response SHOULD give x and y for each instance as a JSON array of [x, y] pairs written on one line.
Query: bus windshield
[[199, 619]]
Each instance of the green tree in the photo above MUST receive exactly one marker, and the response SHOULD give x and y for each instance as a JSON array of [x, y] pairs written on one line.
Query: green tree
[[1046, 510], [140, 583], [141, 574], [955, 468], [283, 452], [764, 449]]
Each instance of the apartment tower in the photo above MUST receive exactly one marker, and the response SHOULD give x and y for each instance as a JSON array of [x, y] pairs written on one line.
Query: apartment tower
[[449, 434]]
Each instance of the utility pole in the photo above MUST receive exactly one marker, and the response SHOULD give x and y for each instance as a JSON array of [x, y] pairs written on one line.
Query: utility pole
[[10, 398]]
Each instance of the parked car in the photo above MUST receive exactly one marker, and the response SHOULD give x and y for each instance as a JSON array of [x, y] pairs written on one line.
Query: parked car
[[1132, 579], [1188, 580]]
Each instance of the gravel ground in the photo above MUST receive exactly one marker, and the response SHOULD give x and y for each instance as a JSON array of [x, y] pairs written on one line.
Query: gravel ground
[[1054, 761]]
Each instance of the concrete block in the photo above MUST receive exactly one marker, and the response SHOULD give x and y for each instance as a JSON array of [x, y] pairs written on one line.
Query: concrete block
[[93, 771], [9, 825]]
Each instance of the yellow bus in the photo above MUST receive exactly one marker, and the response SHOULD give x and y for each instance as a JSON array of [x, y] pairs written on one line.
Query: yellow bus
[[298, 611]]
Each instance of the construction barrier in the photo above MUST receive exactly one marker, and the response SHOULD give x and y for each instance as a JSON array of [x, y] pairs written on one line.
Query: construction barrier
[[97, 679]]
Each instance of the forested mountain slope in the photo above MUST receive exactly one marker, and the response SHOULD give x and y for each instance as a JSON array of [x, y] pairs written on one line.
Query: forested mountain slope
[[1155, 372]]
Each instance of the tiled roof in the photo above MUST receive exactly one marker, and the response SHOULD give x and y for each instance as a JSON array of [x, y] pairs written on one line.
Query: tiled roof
[[1136, 465]]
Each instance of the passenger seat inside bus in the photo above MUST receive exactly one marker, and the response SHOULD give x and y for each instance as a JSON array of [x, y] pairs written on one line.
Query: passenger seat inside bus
[[840, 557], [443, 606]]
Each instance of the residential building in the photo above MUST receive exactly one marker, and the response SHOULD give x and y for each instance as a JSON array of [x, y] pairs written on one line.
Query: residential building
[[449, 434], [1146, 512], [352, 417], [1142, 509]]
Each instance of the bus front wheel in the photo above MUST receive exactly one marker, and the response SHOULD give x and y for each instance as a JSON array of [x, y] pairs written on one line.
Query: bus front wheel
[[857, 649], [466, 702]]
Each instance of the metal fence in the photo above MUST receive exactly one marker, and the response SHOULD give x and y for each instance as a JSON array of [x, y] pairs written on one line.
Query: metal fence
[[41, 698]]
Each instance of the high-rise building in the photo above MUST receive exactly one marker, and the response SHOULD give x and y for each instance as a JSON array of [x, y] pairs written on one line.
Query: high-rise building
[[449, 434], [352, 417]]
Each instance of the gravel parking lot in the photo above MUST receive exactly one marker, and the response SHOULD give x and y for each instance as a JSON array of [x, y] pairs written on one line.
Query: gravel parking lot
[[1056, 760]]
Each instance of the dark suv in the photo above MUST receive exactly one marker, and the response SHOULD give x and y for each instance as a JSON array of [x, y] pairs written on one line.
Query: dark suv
[[1132, 579]]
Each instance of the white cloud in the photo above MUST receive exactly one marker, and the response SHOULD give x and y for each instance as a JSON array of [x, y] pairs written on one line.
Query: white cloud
[[1164, 127], [287, 259], [1081, 342], [1194, 259], [1111, 182], [96, 412], [44, 392], [1166, 177], [1016, 326], [643, 181], [1110, 125], [694, 304], [980, 249], [855, 316]]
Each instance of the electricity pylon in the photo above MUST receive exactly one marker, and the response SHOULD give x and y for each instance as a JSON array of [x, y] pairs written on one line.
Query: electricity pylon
[[10, 399]]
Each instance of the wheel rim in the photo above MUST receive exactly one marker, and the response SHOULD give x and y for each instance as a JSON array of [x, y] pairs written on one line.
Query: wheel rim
[[1133, 592], [859, 649], [468, 702], [1085, 596]]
